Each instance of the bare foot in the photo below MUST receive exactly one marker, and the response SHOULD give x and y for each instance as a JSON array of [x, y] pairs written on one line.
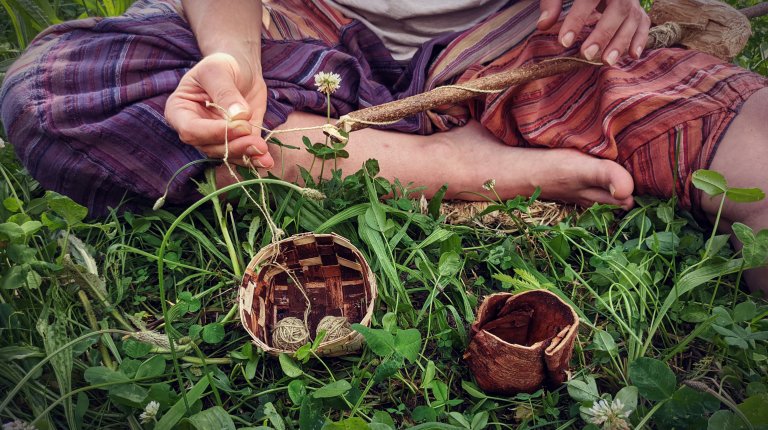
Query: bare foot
[[465, 158]]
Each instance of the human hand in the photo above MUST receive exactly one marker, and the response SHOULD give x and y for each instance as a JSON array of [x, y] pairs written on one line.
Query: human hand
[[236, 87], [623, 26]]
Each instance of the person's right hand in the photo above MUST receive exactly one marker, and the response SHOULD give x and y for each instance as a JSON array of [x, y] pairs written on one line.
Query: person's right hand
[[236, 87]]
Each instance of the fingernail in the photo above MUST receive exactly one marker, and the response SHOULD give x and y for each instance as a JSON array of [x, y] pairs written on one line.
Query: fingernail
[[235, 110], [612, 190], [253, 151], [544, 15], [590, 52], [638, 51], [241, 127], [612, 57], [568, 39]]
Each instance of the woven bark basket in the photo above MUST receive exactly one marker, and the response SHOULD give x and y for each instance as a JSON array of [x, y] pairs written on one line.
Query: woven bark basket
[[521, 342], [334, 276]]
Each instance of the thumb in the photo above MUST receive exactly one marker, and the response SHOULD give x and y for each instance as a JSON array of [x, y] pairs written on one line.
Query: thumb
[[550, 12], [218, 78]]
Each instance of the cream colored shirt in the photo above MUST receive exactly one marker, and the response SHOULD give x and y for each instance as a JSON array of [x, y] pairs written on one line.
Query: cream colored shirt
[[405, 25]]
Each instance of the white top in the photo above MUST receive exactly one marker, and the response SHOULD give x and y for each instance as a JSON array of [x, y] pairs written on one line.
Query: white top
[[405, 25]]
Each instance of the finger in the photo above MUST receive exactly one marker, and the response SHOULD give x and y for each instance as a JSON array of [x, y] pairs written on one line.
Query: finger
[[196, 131], [620, 42], [550, 12], [605, 30], [576, 19], [218, 77], [641, 36], [236, 149]]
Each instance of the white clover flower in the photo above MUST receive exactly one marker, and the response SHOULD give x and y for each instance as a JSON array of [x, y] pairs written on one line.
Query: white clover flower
[[327, 82], [611, 415], [150, 412], [18, 424], [489, 184], [2, 145]]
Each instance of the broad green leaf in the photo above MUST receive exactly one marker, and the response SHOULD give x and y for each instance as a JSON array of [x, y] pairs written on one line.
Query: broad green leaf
[[604, 342], [710, 182], [11, 231], [725, 420], [429, 374], [171, 417], [381, 342], [744, 311], [213, 333], [297, 390], [583, 391], [311, 415], [354, 423], [449, 264], [628, 397], [433, 208], [15, 277], [408, 343], [386, 369], [334, 389], [754, 408], [479, 421], [745, 195], [274, 418], [653, 378], [131, 393], [289, 366], [13, 204], [152, 367], [423, 414], [65, 207], [213, 418], [136, 349], [101, 375], [473, 390]]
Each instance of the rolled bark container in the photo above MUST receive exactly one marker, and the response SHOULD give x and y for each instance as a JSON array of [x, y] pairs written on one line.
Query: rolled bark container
[[521, 342]]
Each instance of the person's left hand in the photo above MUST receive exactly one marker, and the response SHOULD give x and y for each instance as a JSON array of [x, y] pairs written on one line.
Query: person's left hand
[[622, 27]]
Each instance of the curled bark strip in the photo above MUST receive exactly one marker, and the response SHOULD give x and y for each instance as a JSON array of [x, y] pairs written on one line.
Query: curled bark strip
[[521, 342]]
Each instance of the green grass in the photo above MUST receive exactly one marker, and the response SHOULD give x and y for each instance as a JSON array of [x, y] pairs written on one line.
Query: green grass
[[87, 306]]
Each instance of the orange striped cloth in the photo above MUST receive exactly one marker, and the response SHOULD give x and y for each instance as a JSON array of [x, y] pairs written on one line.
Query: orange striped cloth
[[661, 116]]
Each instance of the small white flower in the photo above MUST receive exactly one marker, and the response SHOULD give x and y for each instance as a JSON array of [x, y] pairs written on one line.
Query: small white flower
[[150, 412], [2, 143], [327, 82], [611, 415], [18, 424], [489, 184]]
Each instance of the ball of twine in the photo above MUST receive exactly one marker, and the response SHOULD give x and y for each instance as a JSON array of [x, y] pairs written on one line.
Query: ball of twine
[[335, 327], [290, 334]]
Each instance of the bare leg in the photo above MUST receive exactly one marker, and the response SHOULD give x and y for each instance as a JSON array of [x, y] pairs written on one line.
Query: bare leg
[[742, 158], [465, 158]]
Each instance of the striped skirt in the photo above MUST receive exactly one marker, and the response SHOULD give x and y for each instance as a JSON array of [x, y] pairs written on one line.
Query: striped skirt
[[83, 106]]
